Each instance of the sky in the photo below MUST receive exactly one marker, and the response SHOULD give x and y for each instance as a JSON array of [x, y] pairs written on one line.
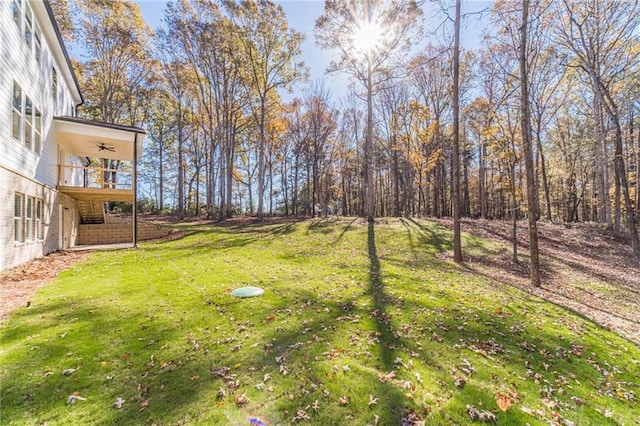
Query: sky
[[302, 14]]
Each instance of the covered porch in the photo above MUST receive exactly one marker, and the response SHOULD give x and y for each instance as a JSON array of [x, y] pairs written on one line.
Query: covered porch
[[97, 163]]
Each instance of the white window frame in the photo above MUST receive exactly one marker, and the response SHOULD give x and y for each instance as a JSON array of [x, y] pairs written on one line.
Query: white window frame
[[29, 225], [38, 218], [37, 131], [37, 42], [17, 112], [25, 121], [28, 26], [18, 218], [28, 123]]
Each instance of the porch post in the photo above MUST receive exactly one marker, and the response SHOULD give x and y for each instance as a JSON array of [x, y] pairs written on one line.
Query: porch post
[[135, 190]]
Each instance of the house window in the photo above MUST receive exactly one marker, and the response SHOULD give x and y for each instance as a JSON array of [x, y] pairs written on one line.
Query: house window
[[16, 116], [38, 219], [28, 123], [18, 213], [16, 6], [29, 222], [37, 131], [38, 42], [28, 26]]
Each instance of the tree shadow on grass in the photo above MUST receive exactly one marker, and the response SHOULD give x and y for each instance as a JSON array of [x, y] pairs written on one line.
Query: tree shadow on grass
[[229, 235], [388, 338], [430, 236]]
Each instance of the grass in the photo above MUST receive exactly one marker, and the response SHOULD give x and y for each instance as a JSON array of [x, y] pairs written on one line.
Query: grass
[[358, 324]]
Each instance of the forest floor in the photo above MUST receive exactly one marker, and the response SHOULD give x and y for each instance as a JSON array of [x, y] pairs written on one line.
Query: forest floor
[[585, 268]]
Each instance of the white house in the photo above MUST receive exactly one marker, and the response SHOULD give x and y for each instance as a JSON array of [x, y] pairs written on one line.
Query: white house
[[52, 179]]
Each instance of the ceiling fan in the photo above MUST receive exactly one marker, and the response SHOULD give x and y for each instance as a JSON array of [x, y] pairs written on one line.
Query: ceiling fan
[[102, 147]]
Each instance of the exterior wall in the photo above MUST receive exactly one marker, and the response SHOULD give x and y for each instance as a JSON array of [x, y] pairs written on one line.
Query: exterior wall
[[13, 253], [18, 63], [24, 170], [114, 233]]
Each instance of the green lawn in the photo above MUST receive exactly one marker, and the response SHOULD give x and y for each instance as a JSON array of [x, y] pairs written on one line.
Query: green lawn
[[358, 325]]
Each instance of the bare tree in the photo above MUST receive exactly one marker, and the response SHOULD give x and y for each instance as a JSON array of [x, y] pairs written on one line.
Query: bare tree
[[369, 36], [602, 38]]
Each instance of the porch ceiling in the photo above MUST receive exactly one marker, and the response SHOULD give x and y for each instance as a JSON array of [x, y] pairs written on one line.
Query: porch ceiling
[[94, 139]]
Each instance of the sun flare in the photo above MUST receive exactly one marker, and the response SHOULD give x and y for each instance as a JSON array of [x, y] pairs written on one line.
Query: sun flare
[[367, 37]]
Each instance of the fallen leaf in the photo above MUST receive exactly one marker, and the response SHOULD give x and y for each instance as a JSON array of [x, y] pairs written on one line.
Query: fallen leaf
[[549, 403], [482, 416], [504, 401], [72, 399], [144, 405], [372, 400], [69, 371], [241, 400], [386, 377], [343, 400], [301, 415], [119, 403]]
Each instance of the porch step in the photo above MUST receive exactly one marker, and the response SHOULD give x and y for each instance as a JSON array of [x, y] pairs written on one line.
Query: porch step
[[91, 211]]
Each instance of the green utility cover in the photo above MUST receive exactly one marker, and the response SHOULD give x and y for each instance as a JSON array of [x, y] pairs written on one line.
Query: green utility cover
[[247, 292]]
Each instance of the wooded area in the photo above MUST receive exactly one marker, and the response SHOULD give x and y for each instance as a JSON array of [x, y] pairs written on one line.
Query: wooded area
[[212, 86]]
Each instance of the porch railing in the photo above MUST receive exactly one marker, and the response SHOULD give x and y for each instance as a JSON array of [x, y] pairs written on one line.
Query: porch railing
[[95, 177]]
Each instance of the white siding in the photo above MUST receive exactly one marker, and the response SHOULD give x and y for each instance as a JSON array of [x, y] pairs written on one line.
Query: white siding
[[21, 169]]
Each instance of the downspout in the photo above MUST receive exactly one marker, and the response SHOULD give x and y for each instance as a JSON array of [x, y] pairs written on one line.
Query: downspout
[[135, 190]]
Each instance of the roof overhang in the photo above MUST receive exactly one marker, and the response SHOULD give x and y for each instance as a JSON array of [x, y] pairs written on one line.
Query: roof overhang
[[94, 139]]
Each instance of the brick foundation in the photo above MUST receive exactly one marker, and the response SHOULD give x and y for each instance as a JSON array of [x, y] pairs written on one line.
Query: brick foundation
[[115, 233]]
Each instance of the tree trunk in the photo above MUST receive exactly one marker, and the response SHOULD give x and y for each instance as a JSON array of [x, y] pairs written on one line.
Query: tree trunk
[[525, 127], [161, 171], [368, 150], [294, 196], [230, 155], [261, 159], [545, 179], [514, 214], [455, 163], [602, 189], [482, 184]]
